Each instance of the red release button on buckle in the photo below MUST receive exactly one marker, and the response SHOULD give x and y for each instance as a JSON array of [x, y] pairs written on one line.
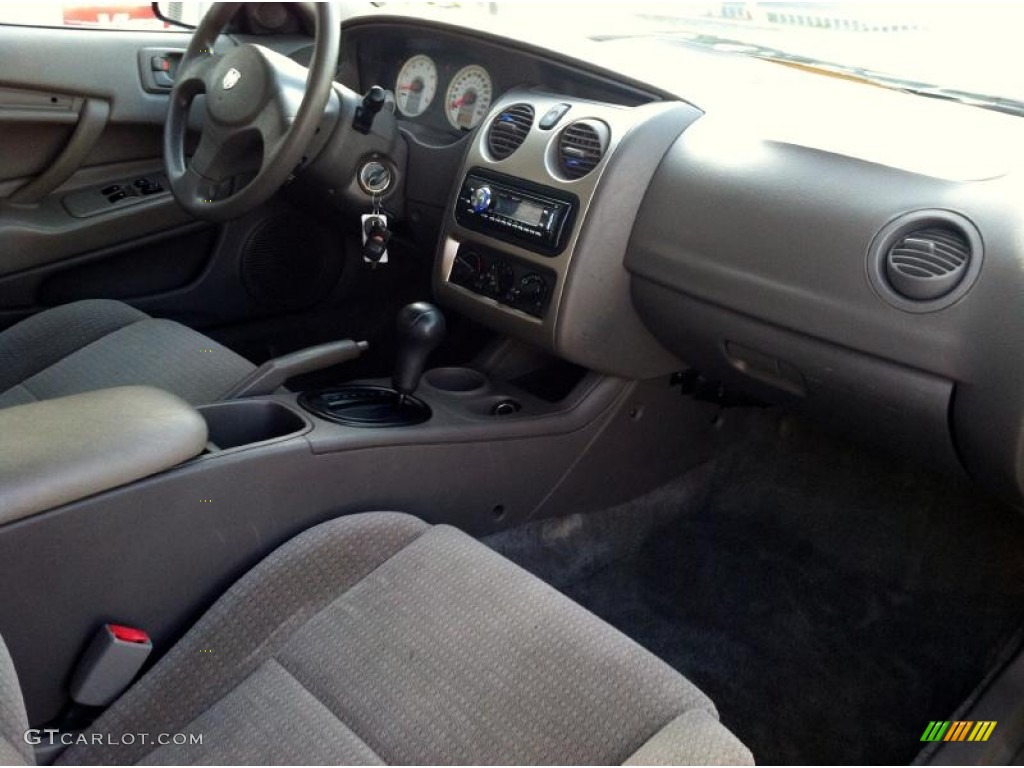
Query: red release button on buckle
[[128, 634]]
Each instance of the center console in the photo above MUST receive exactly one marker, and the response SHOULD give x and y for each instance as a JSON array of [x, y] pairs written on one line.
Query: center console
[[535, 234]]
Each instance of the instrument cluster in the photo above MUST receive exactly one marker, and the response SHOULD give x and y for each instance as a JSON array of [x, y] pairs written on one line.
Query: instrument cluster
[[466, 99]]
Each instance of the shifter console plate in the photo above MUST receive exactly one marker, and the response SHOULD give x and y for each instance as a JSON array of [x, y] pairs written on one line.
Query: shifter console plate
[[366, 405]]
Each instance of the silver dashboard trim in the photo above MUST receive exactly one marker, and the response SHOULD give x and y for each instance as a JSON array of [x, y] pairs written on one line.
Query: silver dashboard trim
[[533, 161]]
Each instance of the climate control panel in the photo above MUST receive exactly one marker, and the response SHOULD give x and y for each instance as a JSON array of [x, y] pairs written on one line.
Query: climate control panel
[[505, 279]]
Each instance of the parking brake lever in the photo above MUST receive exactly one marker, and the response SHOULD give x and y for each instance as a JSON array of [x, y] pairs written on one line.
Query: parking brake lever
[[274, 373]]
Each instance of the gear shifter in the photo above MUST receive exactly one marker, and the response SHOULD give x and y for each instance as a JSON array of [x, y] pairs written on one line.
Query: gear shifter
[[420, 330]]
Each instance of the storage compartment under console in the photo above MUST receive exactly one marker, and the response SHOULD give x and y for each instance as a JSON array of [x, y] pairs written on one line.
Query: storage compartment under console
[[237, 423]]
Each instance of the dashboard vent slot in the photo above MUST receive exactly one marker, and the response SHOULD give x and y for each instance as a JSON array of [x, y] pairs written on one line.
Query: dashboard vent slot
[[927, 264], [509, 130], [581, 147]]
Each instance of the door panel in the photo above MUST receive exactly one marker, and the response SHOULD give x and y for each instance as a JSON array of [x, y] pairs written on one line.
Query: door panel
[[88, 62], [80, 114], [74, 116], [36, 235], [27, 148], [172, 262]]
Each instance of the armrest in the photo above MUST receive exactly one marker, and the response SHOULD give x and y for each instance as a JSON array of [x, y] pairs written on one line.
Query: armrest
[[58, 451]]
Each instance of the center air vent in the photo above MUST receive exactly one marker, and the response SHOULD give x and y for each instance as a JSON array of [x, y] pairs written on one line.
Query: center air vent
[[927, 264], [581, 147], [926, 260], [509, 130]]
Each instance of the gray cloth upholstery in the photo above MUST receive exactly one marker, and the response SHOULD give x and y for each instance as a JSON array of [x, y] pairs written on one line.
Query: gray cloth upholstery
[[270, 715], [377, 639], [248, 625], [13, 722], [96, 344], [693, 738]]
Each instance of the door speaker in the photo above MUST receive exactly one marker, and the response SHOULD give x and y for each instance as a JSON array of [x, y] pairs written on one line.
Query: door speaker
[[288, 262]]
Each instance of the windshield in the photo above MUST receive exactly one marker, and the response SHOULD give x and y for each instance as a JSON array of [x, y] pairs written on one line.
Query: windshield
[[967, 51], [959, 50]]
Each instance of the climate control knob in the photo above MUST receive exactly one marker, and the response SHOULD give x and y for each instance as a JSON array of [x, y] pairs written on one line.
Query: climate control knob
[[500, 279], [481, 199], [531, 292]]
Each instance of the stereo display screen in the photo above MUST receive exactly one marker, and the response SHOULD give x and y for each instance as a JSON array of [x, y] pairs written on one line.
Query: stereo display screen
[[522, 211]]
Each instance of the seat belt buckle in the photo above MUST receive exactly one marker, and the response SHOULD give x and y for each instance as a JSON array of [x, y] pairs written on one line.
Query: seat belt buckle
[[109, 665]]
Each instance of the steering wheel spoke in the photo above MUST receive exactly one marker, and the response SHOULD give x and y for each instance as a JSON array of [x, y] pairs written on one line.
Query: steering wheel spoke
[[271, 132], [196, 76], [202, 190], [207, 160]]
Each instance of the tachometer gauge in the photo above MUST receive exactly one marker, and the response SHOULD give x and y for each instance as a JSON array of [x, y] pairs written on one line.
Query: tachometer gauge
[[469, 97], [416, 86]]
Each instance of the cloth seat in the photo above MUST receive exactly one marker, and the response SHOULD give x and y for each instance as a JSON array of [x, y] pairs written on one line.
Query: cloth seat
[[97, 343], [377, 639]]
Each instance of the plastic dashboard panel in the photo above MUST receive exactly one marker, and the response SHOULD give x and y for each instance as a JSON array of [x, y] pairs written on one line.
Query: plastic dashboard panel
[[589, 319], [749, 260]]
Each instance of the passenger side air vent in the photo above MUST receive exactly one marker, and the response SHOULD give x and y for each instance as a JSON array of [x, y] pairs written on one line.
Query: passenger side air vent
[[927, 264], [925, 260], [581, 147], [509, 130]]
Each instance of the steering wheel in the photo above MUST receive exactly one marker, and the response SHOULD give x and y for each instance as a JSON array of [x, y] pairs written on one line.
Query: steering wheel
[[262, 110]]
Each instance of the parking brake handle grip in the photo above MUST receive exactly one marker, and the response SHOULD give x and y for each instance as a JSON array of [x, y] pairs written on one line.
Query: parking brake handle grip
[[274, 373]]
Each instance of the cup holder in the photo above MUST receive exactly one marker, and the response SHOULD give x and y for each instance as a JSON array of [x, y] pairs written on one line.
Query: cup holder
[[244, 422], [456, 380]]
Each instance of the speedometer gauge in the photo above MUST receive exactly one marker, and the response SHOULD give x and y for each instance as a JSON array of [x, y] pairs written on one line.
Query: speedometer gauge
[[469, 97], [416, 86]]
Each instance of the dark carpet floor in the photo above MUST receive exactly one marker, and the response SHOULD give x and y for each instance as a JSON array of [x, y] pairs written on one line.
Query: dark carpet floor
[[830, 601]]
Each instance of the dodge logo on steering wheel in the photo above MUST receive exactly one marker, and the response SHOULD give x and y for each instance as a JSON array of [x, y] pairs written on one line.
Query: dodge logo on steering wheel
[[231, 79]]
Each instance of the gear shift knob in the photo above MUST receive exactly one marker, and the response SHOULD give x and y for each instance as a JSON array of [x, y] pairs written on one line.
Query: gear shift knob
[[420, 330]]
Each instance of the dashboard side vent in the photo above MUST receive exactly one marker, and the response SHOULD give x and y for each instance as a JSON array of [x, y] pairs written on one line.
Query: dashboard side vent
[[509, 130], [581, 147], [927, 264], [926, 260]]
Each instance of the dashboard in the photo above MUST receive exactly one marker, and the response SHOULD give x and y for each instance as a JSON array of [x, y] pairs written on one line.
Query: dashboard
[[445, 83], [853, 253]]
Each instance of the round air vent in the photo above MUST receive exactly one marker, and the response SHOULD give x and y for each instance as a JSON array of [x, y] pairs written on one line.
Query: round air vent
[[926, 260], [926, 264], [509, 130], [581, 146]]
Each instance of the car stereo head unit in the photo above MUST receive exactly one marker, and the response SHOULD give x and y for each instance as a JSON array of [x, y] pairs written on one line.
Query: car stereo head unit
[[516, 211]]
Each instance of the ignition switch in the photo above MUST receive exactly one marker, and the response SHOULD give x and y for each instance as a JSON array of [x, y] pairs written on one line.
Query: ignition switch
[[375, 177]]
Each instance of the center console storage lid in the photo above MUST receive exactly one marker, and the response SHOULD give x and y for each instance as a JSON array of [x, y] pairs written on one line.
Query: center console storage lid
[[58, 451]]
